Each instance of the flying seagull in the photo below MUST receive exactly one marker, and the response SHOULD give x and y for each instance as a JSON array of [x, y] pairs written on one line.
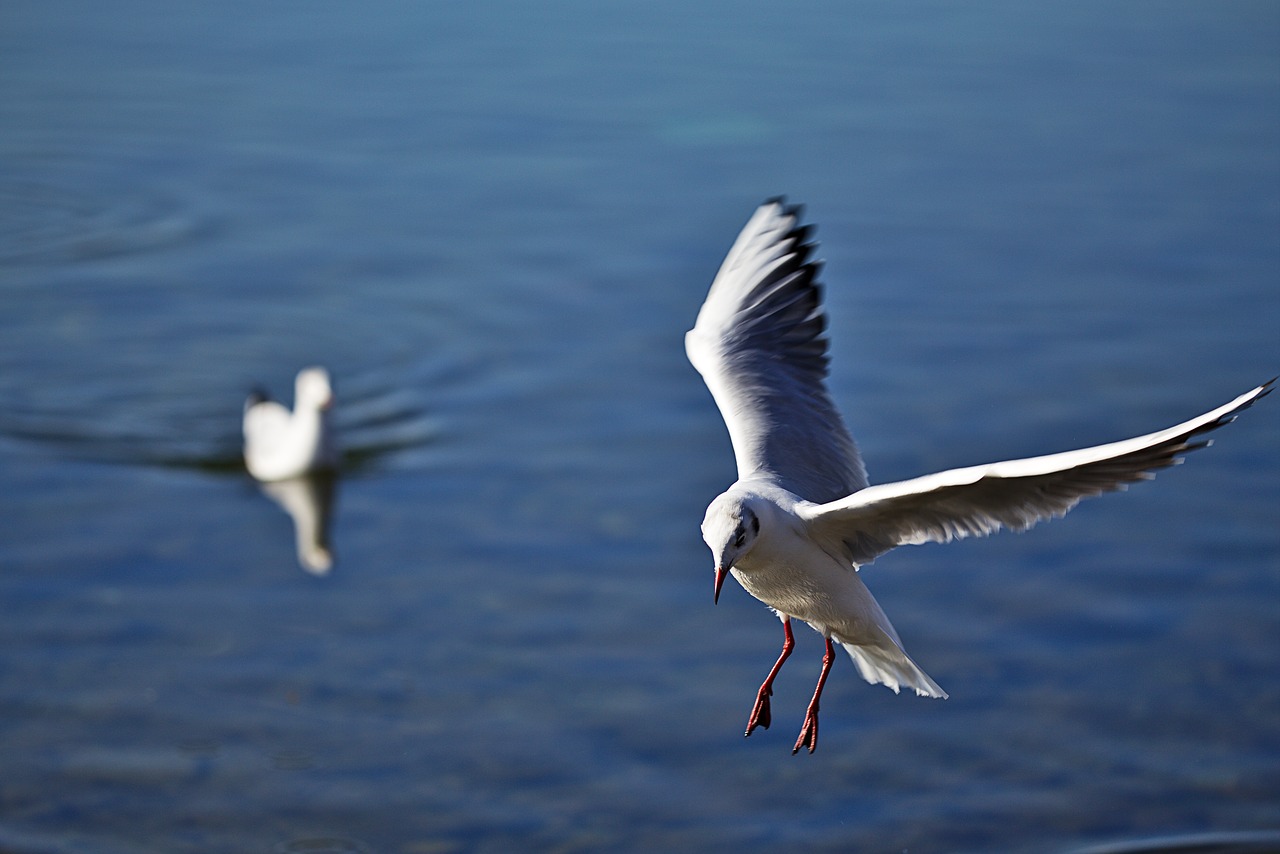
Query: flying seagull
[[801, 517], [279, 444]]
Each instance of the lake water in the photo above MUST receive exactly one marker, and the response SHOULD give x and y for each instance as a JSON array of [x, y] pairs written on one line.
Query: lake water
[[1046, 225]]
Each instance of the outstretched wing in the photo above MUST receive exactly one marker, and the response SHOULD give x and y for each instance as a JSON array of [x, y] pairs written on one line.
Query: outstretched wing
[[760, 345], [1015, 494]]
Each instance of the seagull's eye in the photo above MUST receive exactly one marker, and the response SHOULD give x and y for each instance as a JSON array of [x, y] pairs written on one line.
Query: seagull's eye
[[741, 539]]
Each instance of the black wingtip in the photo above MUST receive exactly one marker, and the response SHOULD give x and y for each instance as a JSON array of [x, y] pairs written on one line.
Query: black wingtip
[[788, 209], [1264, 390], [256, 395]]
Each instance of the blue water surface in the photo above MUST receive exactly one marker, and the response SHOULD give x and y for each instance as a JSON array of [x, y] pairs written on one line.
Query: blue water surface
[[1045, 225]]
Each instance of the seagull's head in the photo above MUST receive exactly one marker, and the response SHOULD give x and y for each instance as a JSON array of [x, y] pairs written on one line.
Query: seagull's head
[[729, 529], [312, 389]]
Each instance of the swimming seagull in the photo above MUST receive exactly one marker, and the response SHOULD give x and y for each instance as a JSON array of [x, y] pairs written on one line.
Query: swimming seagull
[[801, 517], [279, 444]]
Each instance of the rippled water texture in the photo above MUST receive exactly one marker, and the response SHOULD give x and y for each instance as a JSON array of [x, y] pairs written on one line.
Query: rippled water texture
[[1046, 226]]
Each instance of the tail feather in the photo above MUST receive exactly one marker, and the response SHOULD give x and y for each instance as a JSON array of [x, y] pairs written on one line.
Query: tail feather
[[886, 664]]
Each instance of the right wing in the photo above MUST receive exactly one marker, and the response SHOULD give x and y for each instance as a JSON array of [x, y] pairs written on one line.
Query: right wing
[[760, 346]]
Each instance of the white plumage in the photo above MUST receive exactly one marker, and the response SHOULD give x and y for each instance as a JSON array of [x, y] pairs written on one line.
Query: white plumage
[[279, 444], [802, 517]]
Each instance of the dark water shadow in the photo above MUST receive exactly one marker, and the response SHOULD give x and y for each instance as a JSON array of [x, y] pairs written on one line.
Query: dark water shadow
[[1244, 842], [371, 428], [374, 424]]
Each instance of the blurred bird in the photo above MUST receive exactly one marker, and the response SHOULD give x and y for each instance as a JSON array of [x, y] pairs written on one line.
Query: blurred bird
[[801, 517], [279, 444]]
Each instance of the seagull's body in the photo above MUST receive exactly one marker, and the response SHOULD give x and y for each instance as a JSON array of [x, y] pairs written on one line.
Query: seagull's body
[[279, 444], [798, 575], [802, 518]]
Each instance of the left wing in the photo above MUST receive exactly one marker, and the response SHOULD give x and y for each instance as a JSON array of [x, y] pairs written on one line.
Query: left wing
[[1015, 494]]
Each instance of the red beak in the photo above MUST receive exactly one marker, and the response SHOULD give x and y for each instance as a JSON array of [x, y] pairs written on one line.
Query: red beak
[[721, 573]]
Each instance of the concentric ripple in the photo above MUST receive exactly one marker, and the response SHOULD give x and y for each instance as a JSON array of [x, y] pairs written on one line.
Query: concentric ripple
[[70, 220]]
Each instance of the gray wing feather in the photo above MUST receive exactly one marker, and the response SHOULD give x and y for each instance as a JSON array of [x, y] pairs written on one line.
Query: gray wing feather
[[760, 344], [1015, 494]]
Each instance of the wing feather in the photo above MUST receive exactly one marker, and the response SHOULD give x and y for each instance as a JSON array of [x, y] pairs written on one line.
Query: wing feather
[[760, 345], [1014, 494]]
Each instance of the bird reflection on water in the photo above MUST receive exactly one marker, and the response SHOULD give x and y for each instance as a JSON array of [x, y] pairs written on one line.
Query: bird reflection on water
[[309, 502]]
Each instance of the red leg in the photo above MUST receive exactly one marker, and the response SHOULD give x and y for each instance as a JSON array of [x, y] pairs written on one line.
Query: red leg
[[809, 732], [760, 715]]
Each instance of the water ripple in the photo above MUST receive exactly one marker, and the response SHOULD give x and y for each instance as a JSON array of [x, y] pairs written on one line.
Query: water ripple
[[46, 222], [323, 845], [373, 424]]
